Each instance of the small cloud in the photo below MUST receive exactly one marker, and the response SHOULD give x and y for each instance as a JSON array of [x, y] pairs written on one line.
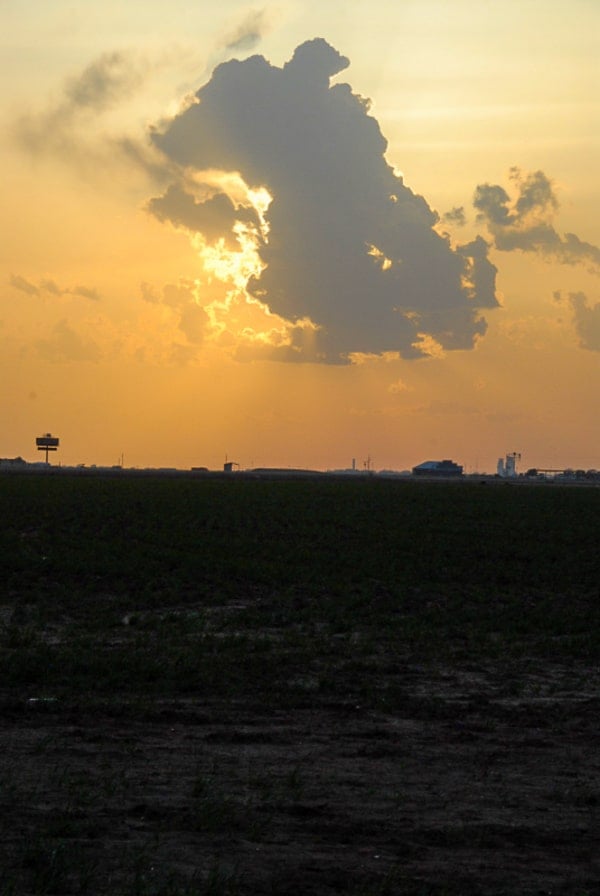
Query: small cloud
[[178, 295], [50, 287], [479, 275], [398, 387], [149, 294], [24, 285], [103, 83], [524, 221], [65, 344], [248, 32], [193, 322], [85, 292], [587, 321], [455, 216], [182, 355]]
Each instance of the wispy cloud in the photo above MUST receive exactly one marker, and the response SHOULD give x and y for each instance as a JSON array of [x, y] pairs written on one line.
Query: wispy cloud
[[248, 31], [24, 285], [398, 387], [69, 129], [84, 292], [102, 84], [51, 288]]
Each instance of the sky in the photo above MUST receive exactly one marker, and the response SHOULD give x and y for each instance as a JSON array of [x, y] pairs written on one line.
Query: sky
[[298, 233]]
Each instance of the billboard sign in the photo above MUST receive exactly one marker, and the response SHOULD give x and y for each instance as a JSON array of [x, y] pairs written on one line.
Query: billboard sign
[[47, 442]]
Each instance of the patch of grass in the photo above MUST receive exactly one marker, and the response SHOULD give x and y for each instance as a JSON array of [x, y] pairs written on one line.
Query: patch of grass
[[176, 585]]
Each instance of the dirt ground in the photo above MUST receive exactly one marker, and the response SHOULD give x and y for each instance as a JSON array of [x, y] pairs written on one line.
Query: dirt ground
[[463, 788]]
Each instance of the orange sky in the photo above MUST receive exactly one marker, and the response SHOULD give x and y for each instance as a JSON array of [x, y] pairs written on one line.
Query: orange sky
[[257, 263]]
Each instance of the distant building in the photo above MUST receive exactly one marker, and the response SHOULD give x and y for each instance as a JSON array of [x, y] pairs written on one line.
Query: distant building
[[438, 468], [12, 462], [507, 468]]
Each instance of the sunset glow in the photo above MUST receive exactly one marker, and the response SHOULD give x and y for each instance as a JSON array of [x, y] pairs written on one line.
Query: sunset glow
[[300, 236]]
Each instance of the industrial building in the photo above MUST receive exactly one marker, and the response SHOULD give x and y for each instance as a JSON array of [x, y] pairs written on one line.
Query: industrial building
[[507, 467], [438, 468]]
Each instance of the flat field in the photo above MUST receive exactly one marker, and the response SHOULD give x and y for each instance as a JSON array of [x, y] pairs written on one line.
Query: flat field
[[359, 686]]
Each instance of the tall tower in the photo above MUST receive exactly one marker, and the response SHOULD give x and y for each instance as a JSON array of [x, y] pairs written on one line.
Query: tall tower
[[511, 464]]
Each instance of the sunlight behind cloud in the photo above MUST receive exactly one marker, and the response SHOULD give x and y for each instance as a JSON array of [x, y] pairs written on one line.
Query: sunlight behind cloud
[[247, 228], [227, 265]]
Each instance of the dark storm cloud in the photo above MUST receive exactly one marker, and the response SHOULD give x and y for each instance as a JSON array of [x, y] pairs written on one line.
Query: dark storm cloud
[[587, 321], [525, 221], [213, 217], [349, 246]]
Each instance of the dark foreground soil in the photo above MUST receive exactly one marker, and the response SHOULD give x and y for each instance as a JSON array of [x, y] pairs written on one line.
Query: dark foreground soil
[[463, 789], [240, 688]]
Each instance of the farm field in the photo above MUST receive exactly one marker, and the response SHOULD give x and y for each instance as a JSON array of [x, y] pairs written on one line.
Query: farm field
[[234, 687]]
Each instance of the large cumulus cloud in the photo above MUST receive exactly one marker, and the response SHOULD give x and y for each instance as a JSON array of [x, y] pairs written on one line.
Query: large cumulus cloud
[[345, 243]]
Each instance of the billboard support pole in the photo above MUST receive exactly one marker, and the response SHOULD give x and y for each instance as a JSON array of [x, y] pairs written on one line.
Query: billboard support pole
[[47, 443]]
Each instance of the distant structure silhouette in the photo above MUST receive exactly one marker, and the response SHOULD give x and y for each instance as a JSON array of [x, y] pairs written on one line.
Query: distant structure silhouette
[[438, 468], [47, 443], [507, 469]]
